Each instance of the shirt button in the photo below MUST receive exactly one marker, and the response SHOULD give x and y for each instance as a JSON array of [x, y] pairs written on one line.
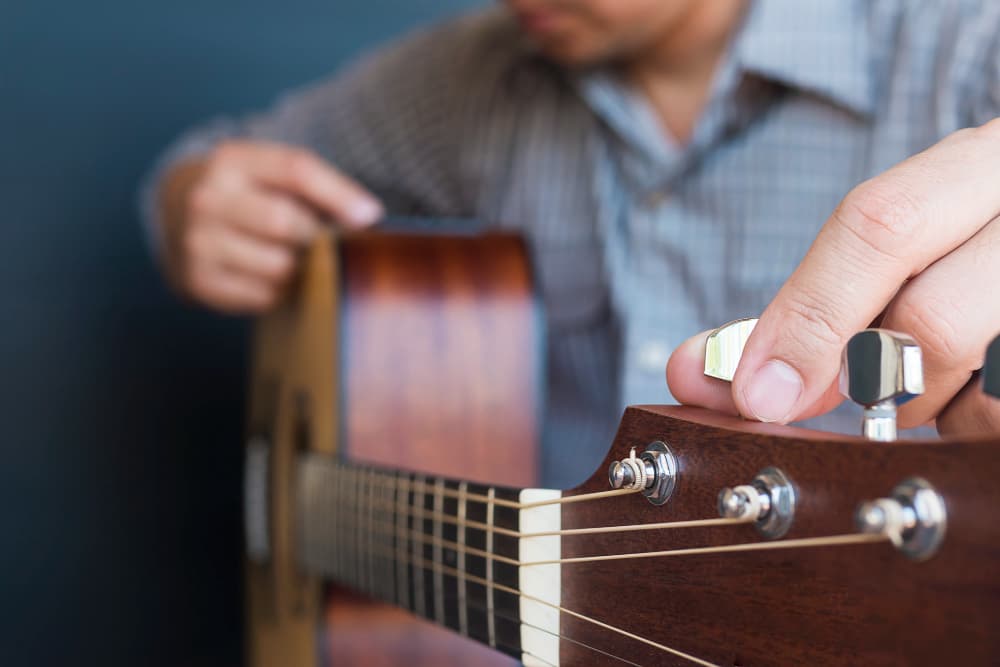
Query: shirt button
[[652, 356]]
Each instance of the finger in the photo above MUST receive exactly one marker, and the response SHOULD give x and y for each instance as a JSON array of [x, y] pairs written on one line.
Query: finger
[[271, 216], [885, 231], [235, 250], [687, 380], [689, 384], [232, 292], [301, 173], [952, 318], [971, 412]]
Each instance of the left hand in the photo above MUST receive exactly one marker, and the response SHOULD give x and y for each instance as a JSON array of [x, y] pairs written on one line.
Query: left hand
[[918, 244]]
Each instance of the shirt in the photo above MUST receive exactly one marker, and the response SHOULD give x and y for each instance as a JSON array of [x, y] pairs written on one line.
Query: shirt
[[638, 241]]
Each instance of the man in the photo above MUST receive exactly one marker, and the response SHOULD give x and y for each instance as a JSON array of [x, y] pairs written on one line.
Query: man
[[672, 164]]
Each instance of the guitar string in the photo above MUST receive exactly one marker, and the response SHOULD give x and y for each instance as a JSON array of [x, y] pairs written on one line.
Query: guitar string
[[491, 586], [799, 543], [485, 499], [695, 523], [425, 565], [519, 621], [431, 568], [830, 540]]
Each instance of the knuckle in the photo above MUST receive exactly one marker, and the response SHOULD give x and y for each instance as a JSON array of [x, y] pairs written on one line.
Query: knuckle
[[933, 324], [813, 324], [881, 217], [990, 129], [300, 166]]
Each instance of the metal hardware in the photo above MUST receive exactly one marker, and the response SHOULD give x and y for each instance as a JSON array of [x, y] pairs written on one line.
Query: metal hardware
[[256, 487], [724, 348], [654, 472], [914, 518], [769, 500], [881, 370], [991, 369]]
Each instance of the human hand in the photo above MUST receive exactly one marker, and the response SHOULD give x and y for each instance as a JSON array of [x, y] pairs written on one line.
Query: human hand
[[916, 249], [234, 220]]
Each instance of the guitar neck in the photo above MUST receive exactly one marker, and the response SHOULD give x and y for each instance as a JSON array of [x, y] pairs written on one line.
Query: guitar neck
[[446, 550]]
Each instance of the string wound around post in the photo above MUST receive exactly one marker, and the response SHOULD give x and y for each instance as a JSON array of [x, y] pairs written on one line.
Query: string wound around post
[[913, 518], [653, 472], [768, 501]]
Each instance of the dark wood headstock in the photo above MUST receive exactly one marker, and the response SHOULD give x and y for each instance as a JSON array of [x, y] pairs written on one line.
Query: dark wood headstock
[[862, 604]]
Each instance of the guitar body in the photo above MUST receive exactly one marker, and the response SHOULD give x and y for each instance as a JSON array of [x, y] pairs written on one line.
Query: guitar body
[[401, 382], [406, 351]]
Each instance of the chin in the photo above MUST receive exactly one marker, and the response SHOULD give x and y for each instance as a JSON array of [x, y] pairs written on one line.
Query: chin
[[572, 53]]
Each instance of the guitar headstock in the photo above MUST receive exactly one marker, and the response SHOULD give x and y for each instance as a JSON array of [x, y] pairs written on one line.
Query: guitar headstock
[[779, 545]]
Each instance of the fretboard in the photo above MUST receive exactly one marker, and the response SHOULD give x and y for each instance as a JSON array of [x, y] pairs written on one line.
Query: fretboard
[[448, 551]]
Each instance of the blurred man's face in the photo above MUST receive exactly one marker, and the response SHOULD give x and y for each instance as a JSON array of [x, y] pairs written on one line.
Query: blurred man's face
[[583, 32]]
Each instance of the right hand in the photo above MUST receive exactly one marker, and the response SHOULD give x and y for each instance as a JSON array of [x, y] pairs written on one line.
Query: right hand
[[235, 219]]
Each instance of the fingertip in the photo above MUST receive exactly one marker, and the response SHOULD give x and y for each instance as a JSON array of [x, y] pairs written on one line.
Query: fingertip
[[365, 211], [688, 383]]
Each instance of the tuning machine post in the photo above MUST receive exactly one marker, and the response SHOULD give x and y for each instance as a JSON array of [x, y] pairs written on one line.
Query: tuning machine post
[[653, 472], [913, 517], [768, 501]]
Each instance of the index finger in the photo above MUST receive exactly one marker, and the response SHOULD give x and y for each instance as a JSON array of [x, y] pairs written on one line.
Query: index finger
[[885, 231], [302, 173]]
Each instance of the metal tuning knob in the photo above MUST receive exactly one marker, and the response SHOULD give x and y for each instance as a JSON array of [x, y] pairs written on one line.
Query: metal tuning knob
[[991, 369], [881, 370], [654, 472], [724, 348], [768, 501], [913, 517]]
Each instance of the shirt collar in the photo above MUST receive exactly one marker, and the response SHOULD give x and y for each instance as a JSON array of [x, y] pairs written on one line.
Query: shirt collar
[[819, 46]]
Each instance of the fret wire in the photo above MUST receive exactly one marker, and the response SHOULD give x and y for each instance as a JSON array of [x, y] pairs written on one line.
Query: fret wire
[[418, 581], [490, 586], [490, 619], [438, 555], [368, 519], [377, 581], [403, 587], [463, 610], [392, 588]]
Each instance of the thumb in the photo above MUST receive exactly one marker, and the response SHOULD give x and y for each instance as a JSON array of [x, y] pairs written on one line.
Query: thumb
[[790, 366]]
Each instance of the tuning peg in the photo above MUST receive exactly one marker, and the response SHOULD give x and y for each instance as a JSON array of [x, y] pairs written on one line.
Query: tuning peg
[[991, 369], [724, 348], [881, 370]]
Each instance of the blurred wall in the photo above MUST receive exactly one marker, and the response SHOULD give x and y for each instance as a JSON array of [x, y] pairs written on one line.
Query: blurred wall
[[121, 410]]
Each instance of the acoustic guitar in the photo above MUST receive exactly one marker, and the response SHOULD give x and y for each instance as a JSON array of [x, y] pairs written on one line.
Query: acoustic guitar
[[392, 451]]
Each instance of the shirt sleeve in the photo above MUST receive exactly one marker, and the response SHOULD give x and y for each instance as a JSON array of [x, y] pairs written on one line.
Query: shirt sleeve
[[392, 120]]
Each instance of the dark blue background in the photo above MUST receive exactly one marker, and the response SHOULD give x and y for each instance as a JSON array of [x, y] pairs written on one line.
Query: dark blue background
[[121, 409]]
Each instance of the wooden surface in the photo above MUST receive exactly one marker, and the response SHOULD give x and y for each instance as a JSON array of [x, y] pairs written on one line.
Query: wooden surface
[[441, 359], [844, 605], [292, 403], [441, 373]]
